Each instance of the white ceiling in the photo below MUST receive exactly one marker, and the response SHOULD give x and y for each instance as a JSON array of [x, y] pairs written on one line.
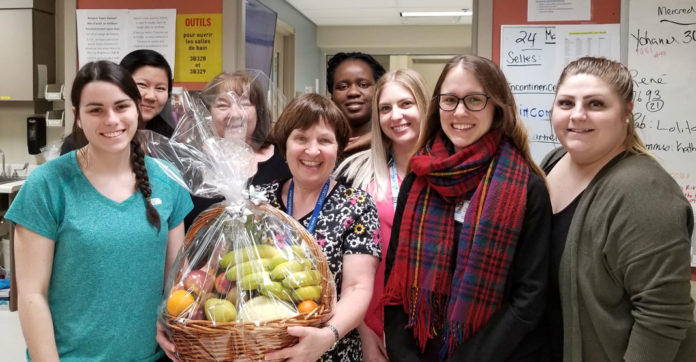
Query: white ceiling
[[379, 12]]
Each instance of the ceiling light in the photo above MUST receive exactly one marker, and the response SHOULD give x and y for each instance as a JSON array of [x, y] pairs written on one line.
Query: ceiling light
[[435, 13]]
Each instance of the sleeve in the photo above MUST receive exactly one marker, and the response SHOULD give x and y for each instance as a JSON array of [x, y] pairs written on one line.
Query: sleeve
[[399, 341], [649, 257], [170, 177], [35, 206], [503, 336], [182, 205], [362, 228]]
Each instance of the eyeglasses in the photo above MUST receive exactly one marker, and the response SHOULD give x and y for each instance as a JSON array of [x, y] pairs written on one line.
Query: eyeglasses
[[472, 102]]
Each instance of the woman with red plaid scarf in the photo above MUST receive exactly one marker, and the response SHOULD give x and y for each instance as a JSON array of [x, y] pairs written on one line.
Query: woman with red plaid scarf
[[467, 266]]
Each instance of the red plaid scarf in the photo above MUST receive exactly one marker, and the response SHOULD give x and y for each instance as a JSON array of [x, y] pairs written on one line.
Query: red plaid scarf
[[451, 283]]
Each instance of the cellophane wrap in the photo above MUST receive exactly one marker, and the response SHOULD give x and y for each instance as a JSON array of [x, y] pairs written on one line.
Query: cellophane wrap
[[243, 262]]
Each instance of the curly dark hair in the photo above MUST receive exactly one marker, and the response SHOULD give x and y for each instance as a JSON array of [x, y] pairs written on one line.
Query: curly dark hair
[[338, 58]]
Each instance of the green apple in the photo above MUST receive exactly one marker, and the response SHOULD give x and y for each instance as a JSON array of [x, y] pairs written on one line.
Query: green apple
[[220, 310]]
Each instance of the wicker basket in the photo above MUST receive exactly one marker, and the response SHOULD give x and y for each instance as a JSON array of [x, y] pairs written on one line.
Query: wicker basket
[[200, 340]]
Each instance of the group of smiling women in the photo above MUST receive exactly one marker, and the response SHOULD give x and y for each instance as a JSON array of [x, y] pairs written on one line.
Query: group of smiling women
[[447, 242]]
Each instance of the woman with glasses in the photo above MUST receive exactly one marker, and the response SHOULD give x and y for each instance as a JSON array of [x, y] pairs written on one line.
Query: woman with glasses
[[467, 263]]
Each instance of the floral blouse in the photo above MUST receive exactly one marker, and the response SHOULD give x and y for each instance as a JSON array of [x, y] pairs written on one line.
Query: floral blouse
[[348, 224]]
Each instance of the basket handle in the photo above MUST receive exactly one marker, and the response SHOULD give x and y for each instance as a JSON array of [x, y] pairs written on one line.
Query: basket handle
[[203, 220]]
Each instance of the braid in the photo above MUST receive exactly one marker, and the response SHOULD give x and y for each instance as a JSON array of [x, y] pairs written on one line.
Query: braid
[[142, 181]]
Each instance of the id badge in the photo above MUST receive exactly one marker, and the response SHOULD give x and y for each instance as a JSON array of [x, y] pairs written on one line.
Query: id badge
[[460, 211]]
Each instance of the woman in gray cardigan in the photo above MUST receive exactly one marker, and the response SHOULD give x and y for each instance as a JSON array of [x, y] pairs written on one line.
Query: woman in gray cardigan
[[621, 229]]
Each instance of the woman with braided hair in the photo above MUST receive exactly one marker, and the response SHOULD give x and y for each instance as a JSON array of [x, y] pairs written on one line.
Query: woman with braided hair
[[95, 231]]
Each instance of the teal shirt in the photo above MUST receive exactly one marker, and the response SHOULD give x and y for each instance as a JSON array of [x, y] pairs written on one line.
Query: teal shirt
[[108, 265]]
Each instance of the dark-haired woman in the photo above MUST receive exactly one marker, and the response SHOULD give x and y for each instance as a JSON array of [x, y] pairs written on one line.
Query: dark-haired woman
[[311, 133], [153, 76], [95, 231], [351, 79]]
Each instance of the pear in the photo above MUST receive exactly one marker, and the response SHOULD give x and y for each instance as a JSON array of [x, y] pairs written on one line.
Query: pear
[[220, 310]]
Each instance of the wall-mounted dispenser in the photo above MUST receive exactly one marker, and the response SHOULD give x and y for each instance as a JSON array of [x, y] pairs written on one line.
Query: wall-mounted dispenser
[[55, 118], [36, 134], [54, 92]]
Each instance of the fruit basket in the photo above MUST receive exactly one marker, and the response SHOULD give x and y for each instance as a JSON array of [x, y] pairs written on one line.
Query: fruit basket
[[229, 251]]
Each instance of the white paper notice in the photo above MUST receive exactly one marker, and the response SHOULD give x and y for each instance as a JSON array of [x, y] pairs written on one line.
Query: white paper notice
[[110, 34], [101, 35], [155, 30], [596, 40], [558, 10]]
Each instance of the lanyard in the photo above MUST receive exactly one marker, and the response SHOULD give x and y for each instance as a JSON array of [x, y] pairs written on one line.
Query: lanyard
[[394, 181], [317, 206]]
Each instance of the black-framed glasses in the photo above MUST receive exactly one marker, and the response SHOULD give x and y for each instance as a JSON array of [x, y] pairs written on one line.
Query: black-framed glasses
[[472, 102]]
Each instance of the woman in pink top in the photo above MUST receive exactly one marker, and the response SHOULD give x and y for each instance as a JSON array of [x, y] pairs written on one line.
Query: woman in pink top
[[398, 108]]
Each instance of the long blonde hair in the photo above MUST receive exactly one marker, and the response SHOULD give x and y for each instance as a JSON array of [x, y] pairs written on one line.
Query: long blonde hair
[[372, 164], [495, 85]]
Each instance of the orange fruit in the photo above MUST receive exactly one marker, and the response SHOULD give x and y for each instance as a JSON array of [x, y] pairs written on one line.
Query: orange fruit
[[306, 306], [179, 301]]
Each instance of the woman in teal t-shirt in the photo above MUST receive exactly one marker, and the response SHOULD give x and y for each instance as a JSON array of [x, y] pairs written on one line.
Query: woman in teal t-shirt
[[95, 231]]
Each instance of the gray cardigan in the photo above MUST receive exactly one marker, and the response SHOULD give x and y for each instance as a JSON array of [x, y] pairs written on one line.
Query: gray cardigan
[[624, 274]]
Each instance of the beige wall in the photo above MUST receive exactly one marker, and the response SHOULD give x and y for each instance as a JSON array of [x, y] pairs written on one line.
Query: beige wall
[[13, 114], [454, 39]]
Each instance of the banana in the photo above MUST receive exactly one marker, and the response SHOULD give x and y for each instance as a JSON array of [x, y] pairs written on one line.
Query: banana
[[277, 260], [261, 251], [283, 270], [247, 267], [298, 251], [312, 292], [302, 279], [227, 260], [275, 289], [254, 281], [267, 251]]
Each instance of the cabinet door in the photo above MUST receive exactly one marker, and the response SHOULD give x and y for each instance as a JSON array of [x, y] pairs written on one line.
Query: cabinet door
[[16, 55]]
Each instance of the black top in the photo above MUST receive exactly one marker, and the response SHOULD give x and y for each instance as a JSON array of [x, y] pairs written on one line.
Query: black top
[[553, 320], [512, 333], [157, 124], [275, 168], [560, 223]]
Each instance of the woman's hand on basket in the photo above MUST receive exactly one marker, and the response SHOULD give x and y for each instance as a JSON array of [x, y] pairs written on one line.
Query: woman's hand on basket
[[167, 346], [313, 343]]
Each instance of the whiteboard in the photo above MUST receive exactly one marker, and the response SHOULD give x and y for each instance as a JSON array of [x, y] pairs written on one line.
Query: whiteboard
[[528, 59], [662, 59]]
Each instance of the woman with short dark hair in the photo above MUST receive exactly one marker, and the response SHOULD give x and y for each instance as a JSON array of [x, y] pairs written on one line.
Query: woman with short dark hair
[[311, 133]]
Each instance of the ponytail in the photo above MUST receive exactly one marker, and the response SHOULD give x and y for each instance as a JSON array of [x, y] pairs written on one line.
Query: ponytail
[[143, 181]]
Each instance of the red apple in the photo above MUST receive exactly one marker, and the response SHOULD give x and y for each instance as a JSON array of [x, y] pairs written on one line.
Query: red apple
[[222, 285], [198, 315], [198, 281]]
